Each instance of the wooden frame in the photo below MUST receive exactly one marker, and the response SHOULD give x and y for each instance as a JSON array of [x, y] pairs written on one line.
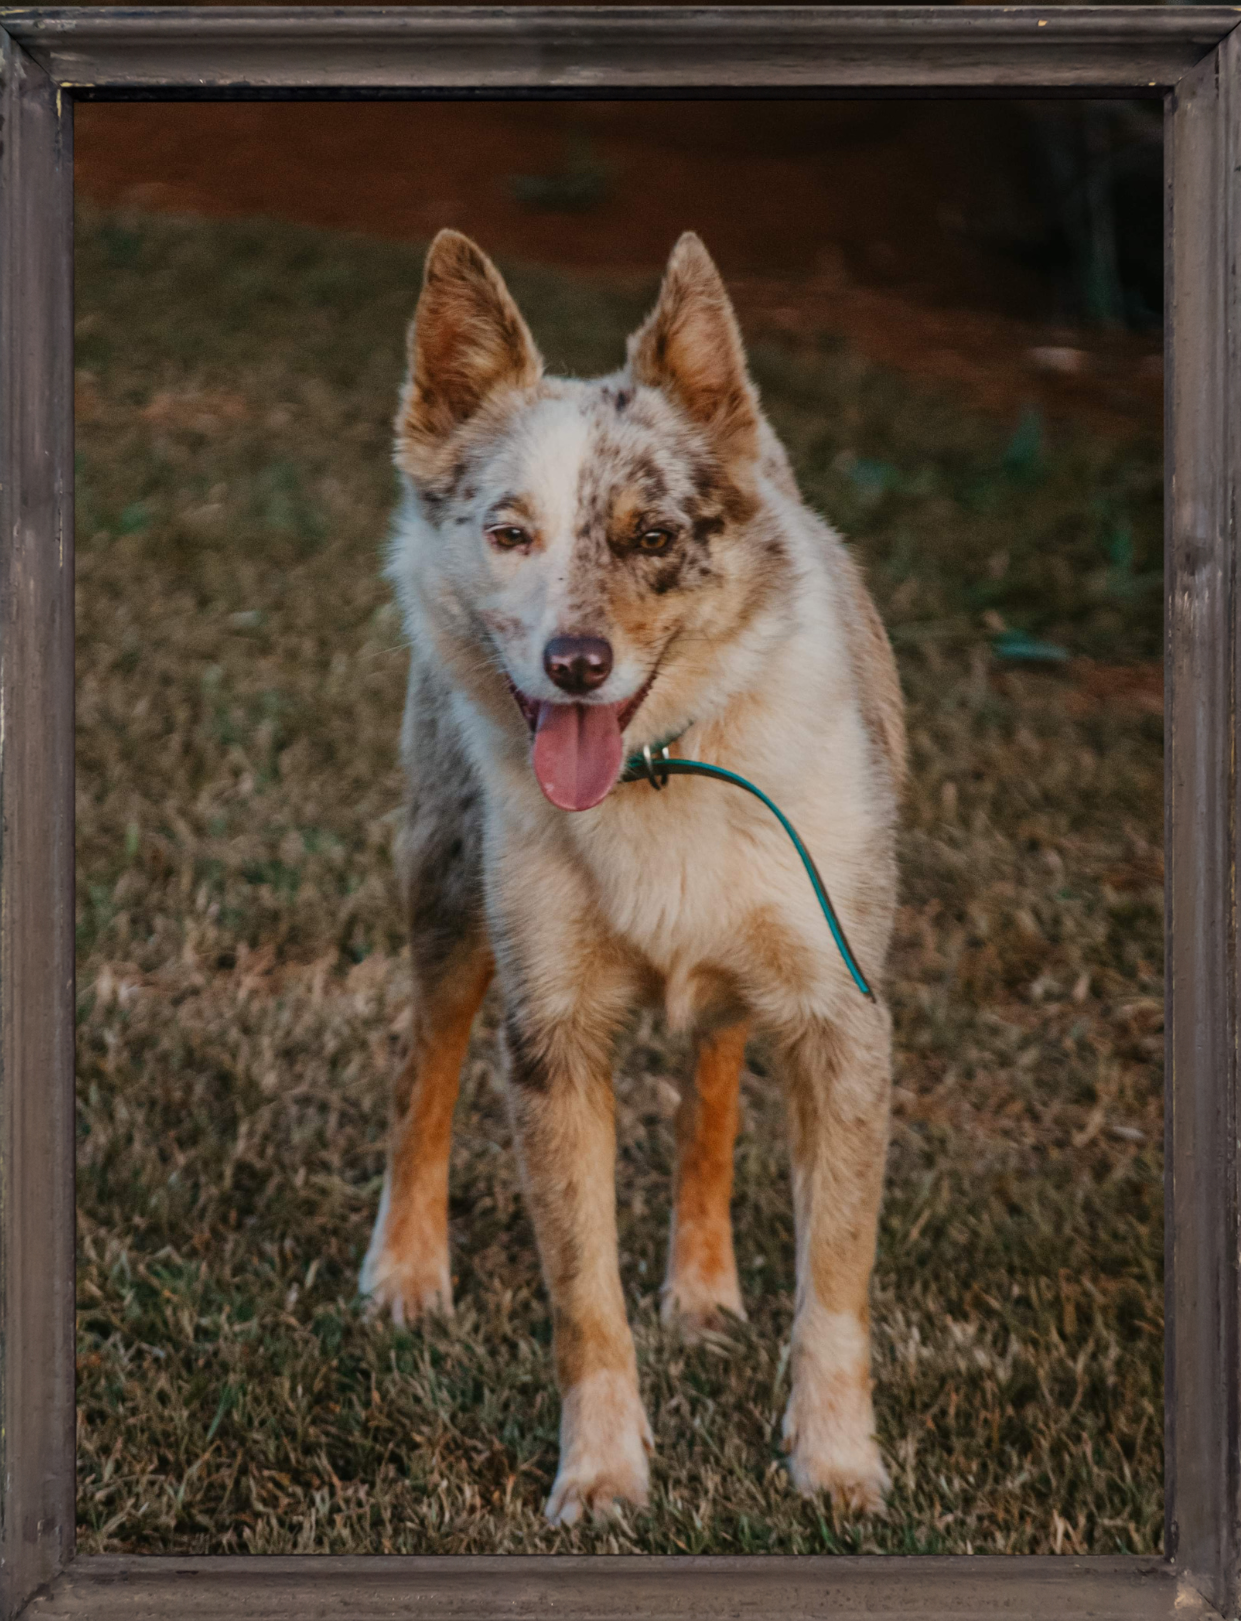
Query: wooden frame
[[1190, 56]]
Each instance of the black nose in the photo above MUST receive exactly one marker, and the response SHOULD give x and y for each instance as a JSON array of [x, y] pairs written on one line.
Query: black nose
[[578, 663]]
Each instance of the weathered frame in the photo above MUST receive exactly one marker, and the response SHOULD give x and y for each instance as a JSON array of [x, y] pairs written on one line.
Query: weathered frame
[[1191, 57]]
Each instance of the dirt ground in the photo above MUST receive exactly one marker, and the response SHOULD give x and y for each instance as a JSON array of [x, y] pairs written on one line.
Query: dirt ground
[[904, 226]]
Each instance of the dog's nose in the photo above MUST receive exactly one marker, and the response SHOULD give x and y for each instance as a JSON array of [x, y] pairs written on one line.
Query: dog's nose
[[578, 663]]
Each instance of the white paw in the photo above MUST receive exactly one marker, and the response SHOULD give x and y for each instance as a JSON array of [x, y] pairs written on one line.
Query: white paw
[[829, 1424], [605, 1442], [410, 1284], [832, 1448], [408, 1292]]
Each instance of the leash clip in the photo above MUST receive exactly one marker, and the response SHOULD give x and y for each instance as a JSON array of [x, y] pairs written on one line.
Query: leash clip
[[656, 768]]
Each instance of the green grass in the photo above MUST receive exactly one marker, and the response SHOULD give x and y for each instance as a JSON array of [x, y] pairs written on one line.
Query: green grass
[[241, 979]]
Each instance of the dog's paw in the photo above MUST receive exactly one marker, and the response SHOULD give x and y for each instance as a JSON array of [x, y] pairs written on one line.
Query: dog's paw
[[408, 1294], [857, 1485], [701, 1291], [694, 1306], [408, 1277], [833, 1449], [409, 1287], [605, 1443]]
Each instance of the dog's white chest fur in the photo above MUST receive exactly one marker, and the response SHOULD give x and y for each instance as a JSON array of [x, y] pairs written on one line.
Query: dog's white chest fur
[[699, 880], [702, 881]]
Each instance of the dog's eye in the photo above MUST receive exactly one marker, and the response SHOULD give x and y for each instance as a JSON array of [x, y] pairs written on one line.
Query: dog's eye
[[654, 540], [508, 535]]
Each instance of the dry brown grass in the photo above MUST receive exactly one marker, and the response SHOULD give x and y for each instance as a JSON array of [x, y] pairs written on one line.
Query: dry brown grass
[[241, 974]]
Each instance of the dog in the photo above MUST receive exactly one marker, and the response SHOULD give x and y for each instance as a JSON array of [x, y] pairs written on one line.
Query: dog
[[584, 568]]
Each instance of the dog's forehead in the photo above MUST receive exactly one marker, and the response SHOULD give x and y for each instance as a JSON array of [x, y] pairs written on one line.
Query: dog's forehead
[[548, 442], [589, 445]]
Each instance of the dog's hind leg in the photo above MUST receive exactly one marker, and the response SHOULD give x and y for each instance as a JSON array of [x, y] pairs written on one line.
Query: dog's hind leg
[[406, 1266], [701, 1283], [438, 855], [838, 1078], [562, 1105]]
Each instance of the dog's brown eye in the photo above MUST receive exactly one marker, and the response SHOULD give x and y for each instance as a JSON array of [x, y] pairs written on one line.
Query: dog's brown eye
[[507, 535], [654, 540]]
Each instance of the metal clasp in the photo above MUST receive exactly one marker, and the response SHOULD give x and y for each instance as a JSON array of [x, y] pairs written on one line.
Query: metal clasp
[[655, 766]]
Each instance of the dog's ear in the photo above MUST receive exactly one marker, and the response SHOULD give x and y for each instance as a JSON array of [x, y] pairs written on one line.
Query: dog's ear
[[690, 346], [467, 341]]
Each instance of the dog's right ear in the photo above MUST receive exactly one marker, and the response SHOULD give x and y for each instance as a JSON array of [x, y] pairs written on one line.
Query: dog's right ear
[[467, 341], [690, 346]]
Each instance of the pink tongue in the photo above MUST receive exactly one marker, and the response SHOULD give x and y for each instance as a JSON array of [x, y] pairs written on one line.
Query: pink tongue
[[577, 753]]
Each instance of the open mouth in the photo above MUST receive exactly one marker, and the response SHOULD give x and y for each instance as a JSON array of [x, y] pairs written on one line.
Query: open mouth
[[578, 750]]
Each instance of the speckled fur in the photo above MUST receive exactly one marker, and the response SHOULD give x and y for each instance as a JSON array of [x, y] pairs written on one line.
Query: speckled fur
[[768, 657]]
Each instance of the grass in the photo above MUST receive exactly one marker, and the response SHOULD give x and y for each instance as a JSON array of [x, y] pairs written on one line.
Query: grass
[[241, 974]]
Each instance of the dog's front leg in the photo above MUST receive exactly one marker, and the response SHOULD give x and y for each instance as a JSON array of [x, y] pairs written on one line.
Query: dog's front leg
[[839, 1081], [563, 1117]]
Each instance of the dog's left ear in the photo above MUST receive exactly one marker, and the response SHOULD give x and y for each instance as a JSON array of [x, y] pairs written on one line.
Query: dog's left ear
[[690, 346]]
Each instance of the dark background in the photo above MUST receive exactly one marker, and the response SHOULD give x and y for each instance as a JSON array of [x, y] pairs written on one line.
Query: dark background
[[1010, 249]]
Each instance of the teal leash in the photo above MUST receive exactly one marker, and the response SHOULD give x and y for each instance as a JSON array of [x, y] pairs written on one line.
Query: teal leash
[[657, 766]]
